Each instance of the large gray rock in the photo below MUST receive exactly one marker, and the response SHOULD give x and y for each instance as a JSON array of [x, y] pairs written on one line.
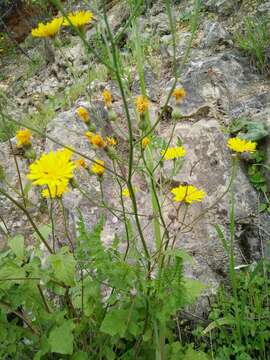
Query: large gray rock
[[214, 34], [223, 7], [208, 166]]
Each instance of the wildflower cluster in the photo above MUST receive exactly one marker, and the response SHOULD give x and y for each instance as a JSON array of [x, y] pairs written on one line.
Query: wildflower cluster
[[51, 28]]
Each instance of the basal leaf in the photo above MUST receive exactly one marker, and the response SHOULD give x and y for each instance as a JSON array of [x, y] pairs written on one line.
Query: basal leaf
[[61, 338]]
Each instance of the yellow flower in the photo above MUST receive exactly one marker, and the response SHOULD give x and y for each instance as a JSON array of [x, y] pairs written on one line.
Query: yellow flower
[[80, 163], [55, 191], [96, 139], [111, 141], [187, 194], [173, 153], [83, 114], [107, 97], [126, 193], [179, 94], [98, 168], [141, 104], [239, 145], [23, 137], [79, 19], [145, 142], [49, 29], [52, 169]]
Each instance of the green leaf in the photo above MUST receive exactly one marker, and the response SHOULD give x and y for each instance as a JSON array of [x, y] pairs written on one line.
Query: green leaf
[[61, 338], [80, 355], [11, 271], [195, 355], [45, 231], [17, 245], [63, 264], [216, 324], [193, 289], [115, 322]]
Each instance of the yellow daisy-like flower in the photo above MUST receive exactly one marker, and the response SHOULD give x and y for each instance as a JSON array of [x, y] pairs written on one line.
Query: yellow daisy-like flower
[[98, 168], [49, 29], [188, 194], [141, 104], [97, 140], [80, 163], [55, 191], [126, 193], [54, 169], [107, 97], [111, 141], [23, 137], [179, 94], [83, 114], [173, 152], [79, 19], [239, 145], [145, 142]]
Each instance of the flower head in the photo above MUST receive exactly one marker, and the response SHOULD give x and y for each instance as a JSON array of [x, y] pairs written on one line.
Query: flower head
[[95, 139], [54, 169], [111, 141], [173, 152], [80, 163], [126, 193], [187, 194], [23, 137], [49, 29], [179, 94], [83, 114], [79, 19], [55, 191], [141, 104], [145, 142], [107, 97], [98, 167], [239, 145]]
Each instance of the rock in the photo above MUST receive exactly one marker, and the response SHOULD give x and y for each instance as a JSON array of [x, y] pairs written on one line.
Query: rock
[[222, 7], [208, 166], [264, 8], [160, 24], [151, 84], [214, 34]]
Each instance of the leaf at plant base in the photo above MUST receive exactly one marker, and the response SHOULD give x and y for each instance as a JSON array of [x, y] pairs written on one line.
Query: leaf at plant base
[[10, 270], [255, 131], [195, 355], [17, 245], [61, 338], [45, 231], [63, 264], [193, 288], [115, 322], [80, 355]]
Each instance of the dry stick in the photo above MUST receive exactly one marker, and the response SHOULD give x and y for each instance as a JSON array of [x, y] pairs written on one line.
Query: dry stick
[[29, 218]]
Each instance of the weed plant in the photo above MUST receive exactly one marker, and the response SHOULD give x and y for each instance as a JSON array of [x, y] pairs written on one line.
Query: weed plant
[[76, 298]]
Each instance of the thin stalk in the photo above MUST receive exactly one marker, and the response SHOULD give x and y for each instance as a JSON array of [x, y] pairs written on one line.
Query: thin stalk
[[43, 240]]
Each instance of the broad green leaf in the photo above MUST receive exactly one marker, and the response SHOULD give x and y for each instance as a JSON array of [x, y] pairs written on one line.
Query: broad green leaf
[[115, 322], [193, 289], [80, 355], [17, 245], [61, 338], [12, 272], [63, 264], [195, 355], [45, 231]]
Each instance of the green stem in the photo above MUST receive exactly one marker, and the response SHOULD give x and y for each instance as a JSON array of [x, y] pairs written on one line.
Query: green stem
[[29, 218]]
